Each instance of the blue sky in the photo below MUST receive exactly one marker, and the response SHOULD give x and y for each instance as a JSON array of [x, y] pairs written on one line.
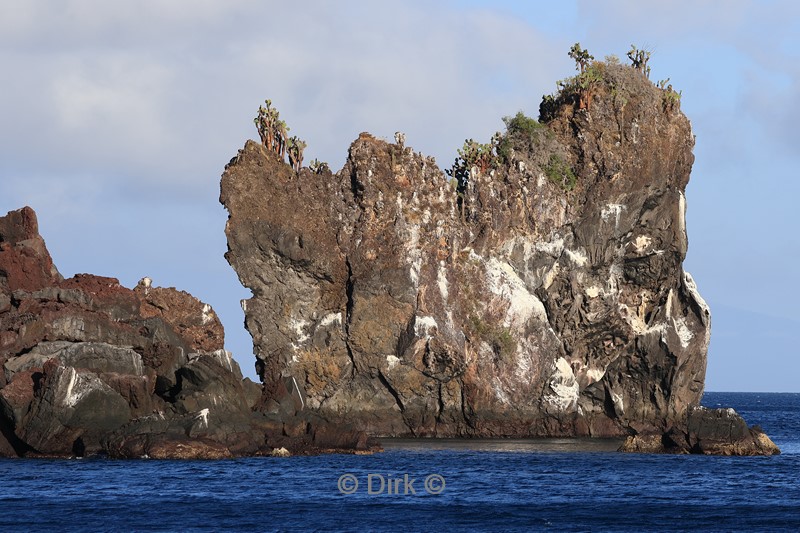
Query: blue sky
[[118, 118]]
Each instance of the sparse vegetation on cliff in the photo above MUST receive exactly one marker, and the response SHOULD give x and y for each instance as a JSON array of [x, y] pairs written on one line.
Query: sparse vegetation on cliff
[[639, 59], [525, 137], [590, 74], [671, 98], [318, 167], [295, 152], [271, 129], [475, 155], [560, 173], [580, 90], [521, 131], [274, 135], [501, 340]]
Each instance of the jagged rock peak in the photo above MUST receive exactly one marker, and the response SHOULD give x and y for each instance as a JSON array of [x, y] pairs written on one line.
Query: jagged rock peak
[[539, 291]]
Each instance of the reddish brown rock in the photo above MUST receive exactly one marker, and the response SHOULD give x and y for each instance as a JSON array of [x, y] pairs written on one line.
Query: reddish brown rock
[[98, 293], [169, 447], [25, 262], [138, 391], [188, 449], [88, 366], [192, 319]]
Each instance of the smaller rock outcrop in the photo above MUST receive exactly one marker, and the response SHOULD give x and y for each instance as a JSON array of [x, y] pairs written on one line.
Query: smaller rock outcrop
[[707, 432], [89, 367]]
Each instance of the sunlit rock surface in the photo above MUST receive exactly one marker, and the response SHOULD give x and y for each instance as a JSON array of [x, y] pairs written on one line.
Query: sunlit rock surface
[[385, 298], [90, 367]]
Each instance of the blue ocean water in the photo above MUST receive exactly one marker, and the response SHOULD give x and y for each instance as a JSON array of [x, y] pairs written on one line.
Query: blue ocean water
[[477, 485]]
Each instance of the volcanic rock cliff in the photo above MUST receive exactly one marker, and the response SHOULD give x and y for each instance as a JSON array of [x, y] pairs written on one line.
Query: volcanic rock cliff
[[541, 293], [90, 367]]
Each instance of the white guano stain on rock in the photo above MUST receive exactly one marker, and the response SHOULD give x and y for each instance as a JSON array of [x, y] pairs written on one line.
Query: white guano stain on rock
[[595, 374], [425, 326], [522, 371], [553, 247], [414, 255], [578, 257], [610, 210], [441, 280], [426, 216], [69, 399], [503, 281], [593, 291], [202, 416], [619, 403], [208, 314], [329, 319], [77, 386], [615, 273], [641, 243], [225, 358], [499, 393], [639, 326], [670, 296], [685, 335], [550, 276], [450, 322], [392, 361], [298, 327], [691, 288], [635, 132], [564, 387]]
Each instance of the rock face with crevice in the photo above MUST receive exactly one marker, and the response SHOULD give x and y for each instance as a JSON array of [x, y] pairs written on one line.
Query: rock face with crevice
[[385, 298], [90, 367]]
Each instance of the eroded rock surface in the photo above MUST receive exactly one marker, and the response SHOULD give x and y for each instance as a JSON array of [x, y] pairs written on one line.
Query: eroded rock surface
[[88, 366], [708, 432], [385, 298]]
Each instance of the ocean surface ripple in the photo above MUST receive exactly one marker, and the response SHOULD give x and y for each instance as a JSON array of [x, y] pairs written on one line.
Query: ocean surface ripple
[[560, 485]]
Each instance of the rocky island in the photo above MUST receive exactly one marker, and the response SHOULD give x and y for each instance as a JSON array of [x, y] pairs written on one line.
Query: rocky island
[[533, 289], [537, 292]]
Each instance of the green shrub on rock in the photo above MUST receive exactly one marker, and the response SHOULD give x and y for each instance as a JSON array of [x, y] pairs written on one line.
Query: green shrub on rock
[[560, 173], [521, 131]]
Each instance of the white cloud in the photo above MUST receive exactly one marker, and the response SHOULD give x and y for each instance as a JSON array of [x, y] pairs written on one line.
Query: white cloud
[[117, 103], [118, 118], [166, 92]]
